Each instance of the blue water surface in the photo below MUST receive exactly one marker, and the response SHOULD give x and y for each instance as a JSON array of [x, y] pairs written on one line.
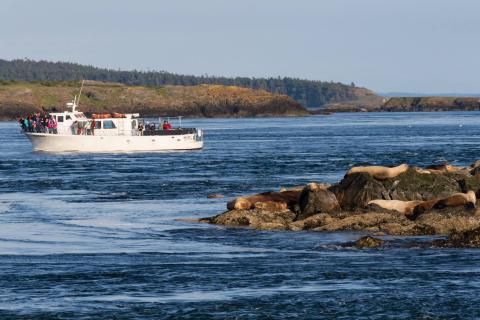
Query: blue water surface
[[96, 236]]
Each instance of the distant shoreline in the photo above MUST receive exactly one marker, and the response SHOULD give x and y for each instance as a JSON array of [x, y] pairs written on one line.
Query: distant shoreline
[[284, 116], [18, 99], [412, 104]]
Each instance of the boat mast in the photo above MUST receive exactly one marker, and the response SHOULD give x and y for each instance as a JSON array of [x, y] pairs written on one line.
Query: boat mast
[[77, 100]]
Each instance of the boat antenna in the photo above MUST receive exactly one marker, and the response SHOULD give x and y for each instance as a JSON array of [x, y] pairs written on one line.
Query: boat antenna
[[79, 94]]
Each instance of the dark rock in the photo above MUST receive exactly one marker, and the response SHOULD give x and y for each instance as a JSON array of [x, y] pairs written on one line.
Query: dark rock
[[254, 218], [475, 168], [316, 200], [469, 238], [357, 189], [475, 171], [368, 242], [461, 239], [468, 183], [215, 196]]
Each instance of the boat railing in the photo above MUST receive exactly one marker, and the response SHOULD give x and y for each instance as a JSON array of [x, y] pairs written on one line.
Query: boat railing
[[113, 132], [170, 132]]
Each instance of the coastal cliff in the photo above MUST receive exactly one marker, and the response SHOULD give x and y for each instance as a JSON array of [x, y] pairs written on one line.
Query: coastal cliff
[[20, 98]]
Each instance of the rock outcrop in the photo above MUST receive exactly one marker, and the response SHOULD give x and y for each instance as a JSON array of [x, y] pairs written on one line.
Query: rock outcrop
[[462, 239], [368, 242], [313, 199], [413, 201], [469, 238]]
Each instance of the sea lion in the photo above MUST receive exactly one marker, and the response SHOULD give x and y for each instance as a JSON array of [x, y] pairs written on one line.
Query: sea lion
[[379, 172], [312, 186], [458, 199], [296, 188], [422, 207], [405, 207], [239, 203], [273, 206], [422, 171], [441, 168], [289, 197]]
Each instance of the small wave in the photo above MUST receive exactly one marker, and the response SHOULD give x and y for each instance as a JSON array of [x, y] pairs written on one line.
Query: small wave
[[230, 294]]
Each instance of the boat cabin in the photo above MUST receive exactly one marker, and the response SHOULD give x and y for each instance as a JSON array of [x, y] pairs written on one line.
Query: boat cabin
[[76, 123]]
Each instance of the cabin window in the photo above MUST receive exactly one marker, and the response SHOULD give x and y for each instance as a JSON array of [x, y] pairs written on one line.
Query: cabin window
[[98, 124], [68, 118], [134, 124], [59, 118], [108, 124]]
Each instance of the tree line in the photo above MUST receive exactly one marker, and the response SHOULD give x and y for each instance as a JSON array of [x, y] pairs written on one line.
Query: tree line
[[311, 94]]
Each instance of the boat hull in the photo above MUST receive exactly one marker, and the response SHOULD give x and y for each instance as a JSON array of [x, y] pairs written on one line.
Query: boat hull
[[87, 143]]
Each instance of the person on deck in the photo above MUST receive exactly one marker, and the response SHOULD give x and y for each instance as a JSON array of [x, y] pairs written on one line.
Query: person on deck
[[92, 127], [30, 124], [55, 125], [166, 125], [50, 125], [26, 123], [39, 125], [45, 124]]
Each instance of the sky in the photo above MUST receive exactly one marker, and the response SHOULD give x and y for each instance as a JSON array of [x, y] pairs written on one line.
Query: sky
[[419, 46]]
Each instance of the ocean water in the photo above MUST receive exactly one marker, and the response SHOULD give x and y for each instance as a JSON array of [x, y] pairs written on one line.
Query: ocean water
[[95, 235]]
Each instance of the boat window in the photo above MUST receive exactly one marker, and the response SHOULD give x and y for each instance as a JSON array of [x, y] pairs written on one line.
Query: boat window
[[68, 117], [134, 124], [108, 124], [98, 124], [59, 118]]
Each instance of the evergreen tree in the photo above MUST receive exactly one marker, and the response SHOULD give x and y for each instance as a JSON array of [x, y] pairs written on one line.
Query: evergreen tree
[[311, 94]]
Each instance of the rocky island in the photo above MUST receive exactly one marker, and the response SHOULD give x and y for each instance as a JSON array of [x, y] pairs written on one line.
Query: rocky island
[[401, 201], [369, 102], [18, 98]]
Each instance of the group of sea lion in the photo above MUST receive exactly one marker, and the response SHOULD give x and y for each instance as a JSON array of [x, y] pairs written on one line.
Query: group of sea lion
[[382, 173], [284, 199], [412, 209], [272, 200]]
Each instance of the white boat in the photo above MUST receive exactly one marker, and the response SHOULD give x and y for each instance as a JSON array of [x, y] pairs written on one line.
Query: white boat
[[110, 133]]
